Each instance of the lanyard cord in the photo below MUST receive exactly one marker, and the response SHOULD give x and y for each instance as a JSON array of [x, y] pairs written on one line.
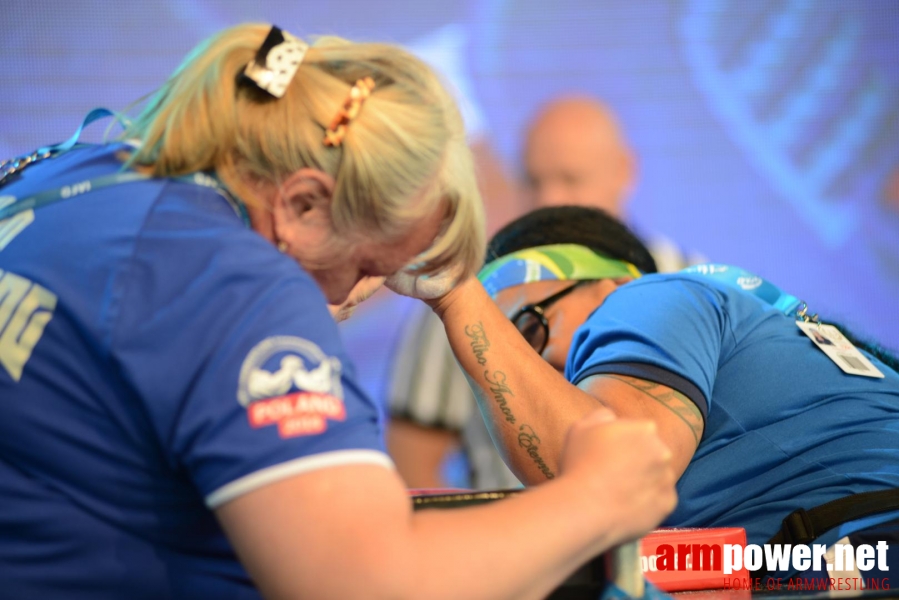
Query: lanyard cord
[[745, 281], [10, 206]]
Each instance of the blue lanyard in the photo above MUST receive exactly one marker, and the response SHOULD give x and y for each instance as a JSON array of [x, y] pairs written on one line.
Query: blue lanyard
[[65, 192], [94, 115], [745, 281]]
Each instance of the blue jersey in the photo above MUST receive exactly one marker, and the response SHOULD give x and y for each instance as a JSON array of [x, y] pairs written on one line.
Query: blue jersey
[[157, 360], [784, 427]]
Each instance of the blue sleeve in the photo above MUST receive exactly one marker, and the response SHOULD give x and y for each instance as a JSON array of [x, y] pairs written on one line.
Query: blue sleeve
[[233, 355], [664, 329]]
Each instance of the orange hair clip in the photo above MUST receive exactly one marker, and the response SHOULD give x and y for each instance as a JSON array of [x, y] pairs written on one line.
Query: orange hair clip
[[349, 111]]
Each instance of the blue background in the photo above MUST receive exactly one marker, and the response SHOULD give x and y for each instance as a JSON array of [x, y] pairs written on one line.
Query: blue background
[[767, 132]]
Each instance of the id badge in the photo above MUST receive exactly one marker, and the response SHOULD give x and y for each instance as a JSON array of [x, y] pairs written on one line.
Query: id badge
[[840, 350]]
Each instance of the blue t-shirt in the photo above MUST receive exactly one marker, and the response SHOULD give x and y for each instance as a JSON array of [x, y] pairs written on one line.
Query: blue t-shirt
[[157, 359], [784, 427]]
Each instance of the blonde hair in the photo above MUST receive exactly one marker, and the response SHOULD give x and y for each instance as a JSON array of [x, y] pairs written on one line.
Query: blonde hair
[[403, 157]]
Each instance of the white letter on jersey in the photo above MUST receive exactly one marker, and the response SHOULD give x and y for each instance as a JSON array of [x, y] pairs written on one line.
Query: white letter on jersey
[[25, 309]]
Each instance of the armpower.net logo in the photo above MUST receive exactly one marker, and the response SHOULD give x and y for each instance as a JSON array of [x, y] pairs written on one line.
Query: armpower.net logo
[[812, 565]]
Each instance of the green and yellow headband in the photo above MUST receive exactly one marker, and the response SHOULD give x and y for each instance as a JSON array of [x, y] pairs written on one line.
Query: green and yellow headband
[[561, 262]]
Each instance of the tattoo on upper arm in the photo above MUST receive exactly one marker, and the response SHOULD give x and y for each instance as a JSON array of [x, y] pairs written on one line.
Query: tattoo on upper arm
[[479, 342], [679, 404]]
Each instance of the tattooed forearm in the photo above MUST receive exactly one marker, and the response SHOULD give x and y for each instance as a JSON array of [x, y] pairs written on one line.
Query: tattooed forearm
[[499, 389], [528, 440], [680, 405], [479, 342]]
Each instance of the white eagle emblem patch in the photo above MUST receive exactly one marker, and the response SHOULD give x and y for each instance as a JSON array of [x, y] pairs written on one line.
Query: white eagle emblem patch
[[290, 382]]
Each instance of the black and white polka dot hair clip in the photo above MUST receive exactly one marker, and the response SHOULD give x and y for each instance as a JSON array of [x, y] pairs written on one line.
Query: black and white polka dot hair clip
[[275, 63]]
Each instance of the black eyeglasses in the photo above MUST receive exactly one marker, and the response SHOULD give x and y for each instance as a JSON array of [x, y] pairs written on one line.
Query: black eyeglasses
[[531, 319]]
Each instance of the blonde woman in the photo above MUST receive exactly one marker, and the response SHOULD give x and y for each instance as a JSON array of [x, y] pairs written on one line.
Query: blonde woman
[[177, 416]]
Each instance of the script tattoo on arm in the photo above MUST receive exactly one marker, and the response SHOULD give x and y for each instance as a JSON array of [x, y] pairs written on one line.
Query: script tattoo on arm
[[680, 405], [528, 440], [496, 382], [500, 390], [479, 342]]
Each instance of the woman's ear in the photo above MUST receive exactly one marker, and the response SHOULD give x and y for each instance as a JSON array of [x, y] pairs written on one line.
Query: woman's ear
[[303, 202]]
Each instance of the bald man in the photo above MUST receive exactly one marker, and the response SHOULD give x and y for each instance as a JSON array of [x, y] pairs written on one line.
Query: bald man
[[574, 154]]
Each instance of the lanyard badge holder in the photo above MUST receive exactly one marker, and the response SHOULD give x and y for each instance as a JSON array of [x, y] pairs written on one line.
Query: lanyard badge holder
[[827, 338], [834, 344]]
